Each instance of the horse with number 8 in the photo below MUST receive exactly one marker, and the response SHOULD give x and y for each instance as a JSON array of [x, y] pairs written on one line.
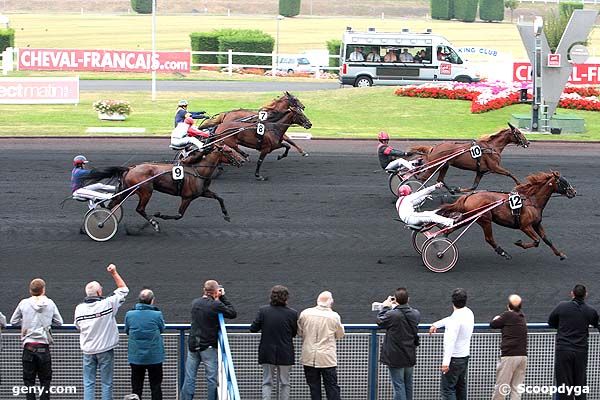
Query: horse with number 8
[[522, 210]]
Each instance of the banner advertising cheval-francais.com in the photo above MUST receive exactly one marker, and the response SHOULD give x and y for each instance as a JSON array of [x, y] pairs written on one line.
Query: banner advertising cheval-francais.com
[[47, 90]]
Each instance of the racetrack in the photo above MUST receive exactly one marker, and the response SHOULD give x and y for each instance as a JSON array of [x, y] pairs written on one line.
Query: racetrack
[[322, 222]]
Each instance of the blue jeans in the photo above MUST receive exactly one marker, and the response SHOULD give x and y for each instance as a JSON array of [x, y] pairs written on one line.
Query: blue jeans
[[454, 382], [207, 357], [402, 383], [91, 363]]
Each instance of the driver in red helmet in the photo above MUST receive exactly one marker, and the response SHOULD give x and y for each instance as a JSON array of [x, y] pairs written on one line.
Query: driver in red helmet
[[409, 201], [94, 192], [186, 133], [390, 158]]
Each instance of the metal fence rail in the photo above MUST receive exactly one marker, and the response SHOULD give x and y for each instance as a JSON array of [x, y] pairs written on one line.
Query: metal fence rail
[[361, 376]]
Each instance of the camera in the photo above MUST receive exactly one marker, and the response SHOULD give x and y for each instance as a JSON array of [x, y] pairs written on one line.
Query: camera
[[376, 306]]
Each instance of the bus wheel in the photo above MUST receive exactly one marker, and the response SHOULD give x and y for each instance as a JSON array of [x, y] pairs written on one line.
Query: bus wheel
[[363, 81]]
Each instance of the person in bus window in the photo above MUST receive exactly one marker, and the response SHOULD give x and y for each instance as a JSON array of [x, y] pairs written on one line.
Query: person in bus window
[[441, 54], [421, 57], [357, 55], [405, 56], [373, 56], [390, 56]]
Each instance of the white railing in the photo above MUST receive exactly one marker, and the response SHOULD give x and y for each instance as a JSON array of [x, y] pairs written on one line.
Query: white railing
[[7, 57], [273, 66]]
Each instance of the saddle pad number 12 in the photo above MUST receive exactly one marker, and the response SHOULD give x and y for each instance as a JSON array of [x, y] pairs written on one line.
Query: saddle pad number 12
[[260, 127], [475, 151], [514, 201], [177, 172]]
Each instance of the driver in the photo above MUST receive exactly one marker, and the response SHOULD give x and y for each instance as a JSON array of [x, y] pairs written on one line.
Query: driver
[[182, 113], [390, 158], [185, 133], [408, 202], [94, 192]]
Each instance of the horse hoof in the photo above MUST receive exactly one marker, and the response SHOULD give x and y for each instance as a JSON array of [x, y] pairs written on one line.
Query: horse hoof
[[261, 178], [82, 231], [279, 158], [507, 256], [304, 154], [227, 218], [155, 226], [157, 215], [563, 257], [519, 243]]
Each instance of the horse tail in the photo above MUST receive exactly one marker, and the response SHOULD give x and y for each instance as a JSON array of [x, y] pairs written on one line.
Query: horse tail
[[98, 174], [457, 206], [421, 149]]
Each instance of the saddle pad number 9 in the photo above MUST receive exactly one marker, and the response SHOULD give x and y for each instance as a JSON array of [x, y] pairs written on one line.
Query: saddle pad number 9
[[475, 151], [177, 172], [514, 201]]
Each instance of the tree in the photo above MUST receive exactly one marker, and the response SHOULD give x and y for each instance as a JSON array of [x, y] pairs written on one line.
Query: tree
[[512, 6]]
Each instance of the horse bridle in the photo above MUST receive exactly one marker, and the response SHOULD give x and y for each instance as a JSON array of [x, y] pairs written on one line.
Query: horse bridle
[[515, 133]]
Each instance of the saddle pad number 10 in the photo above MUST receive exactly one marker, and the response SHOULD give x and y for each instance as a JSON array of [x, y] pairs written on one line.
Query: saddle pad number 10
[[177, 172], [475, 151], [514, 201]]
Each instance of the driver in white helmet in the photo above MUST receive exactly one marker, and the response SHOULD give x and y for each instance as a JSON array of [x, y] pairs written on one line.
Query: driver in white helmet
[[94, 192], [408, 202], [182, 113]]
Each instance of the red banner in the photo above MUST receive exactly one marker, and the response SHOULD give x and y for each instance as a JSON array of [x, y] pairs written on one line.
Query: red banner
[[103, 60], [583, 74]]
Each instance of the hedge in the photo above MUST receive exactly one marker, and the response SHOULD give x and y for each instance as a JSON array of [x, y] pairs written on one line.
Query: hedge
[[289, 8], [251, 41], [142, 6], [333, 46], [7, 38], [491, 10], [566, 9], [465, 10], [442, 9], [205, 41]]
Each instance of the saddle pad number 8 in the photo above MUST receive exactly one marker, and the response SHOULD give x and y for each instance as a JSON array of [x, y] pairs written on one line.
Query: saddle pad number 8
[[260, 129], [177, 172], [475, 151], [514, 201]]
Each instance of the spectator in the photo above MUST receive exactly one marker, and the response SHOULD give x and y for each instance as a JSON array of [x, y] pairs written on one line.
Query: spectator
[[357, 55], [399, 350], [279, 325], [319, 328], [36, 315], [146, 350], [510, 371], [421, 57], [373, 56], [390, 56], [202, 344], [405, 56], [99, 336], [572, 320], [457, 342]]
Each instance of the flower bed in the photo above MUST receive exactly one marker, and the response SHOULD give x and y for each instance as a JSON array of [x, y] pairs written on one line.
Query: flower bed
[[110, 107], [486, 96]]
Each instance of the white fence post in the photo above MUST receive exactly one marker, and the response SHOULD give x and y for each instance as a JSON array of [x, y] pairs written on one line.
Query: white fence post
[[273, 64], [7, 61], [230, 62]]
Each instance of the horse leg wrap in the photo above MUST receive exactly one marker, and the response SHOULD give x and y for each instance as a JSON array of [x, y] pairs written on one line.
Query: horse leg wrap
[[547, 241]]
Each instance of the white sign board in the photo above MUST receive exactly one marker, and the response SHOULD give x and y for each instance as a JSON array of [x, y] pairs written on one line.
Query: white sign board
[[39, 90]]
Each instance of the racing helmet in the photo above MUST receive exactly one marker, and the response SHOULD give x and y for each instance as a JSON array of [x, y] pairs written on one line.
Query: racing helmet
[[189, 120], [383, 136], [79, 161], [404, 190], [182, 103]]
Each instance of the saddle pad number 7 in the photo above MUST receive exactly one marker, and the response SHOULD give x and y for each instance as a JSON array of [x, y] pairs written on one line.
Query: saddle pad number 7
[[177, 173], [514, 201], [262, 115], [475, 151]]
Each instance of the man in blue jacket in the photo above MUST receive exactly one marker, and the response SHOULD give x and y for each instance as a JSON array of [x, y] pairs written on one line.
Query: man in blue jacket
[[146, 351]]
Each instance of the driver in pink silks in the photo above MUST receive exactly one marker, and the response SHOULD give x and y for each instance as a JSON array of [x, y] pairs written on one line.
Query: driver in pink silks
[[408, 201], [186, 133]]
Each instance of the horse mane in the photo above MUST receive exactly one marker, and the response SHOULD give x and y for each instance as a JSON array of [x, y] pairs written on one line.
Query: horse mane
[[491, 136], [533, 182], [272, 104]]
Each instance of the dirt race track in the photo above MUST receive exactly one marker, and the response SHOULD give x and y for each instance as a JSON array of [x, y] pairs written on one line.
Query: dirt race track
[[322, 222]]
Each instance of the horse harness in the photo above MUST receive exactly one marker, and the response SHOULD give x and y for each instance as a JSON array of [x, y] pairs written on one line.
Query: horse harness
[[484, 150]]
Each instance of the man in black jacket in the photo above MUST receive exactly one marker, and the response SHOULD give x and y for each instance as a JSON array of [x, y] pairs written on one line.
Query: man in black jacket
[[279, 325], [202, 344], [572, 320], [399, 350]]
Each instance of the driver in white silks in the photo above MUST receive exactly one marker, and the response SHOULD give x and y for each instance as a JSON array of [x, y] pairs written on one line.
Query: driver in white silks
[[408, 202], [94, 192]]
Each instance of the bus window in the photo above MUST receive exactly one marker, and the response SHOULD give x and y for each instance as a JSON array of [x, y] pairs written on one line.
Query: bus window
[[445, 53], [390, 55], [373, 55], [422, 55], [355, 53]]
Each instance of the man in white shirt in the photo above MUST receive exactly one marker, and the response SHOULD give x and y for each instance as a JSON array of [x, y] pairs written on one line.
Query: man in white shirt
[[405, 56], [357, 55], [99, 336], [373, 56], [457, 343]]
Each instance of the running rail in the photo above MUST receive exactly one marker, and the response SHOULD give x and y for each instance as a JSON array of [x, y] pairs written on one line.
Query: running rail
[[230, 390]]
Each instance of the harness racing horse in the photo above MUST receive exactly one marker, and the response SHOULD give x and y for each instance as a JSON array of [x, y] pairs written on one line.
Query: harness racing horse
[[194, 184], [489, 161], [281, 114], [245, 115], [535, 194]]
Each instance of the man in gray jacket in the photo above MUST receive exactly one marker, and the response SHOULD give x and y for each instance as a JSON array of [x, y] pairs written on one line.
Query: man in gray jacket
[[35, 315]]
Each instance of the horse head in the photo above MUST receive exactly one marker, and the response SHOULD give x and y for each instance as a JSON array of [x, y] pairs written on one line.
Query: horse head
[[563, 187], [229, 155], [518, 137], [297, 109]]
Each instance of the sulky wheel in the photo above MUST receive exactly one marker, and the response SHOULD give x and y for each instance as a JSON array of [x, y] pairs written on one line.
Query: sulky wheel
[[118, 212], [419, 238], [394, 181], [439, 254], [99, 225]]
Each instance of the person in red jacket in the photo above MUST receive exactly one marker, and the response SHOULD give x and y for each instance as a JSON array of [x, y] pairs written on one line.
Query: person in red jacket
[[390, 158], [186, 133]]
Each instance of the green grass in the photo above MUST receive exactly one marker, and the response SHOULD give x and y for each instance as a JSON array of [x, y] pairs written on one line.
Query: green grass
[[347, 113]]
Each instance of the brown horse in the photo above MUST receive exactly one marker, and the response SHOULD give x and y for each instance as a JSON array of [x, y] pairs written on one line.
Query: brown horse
[[535, 194], [489, 161], [194, 184], [281, 114]]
